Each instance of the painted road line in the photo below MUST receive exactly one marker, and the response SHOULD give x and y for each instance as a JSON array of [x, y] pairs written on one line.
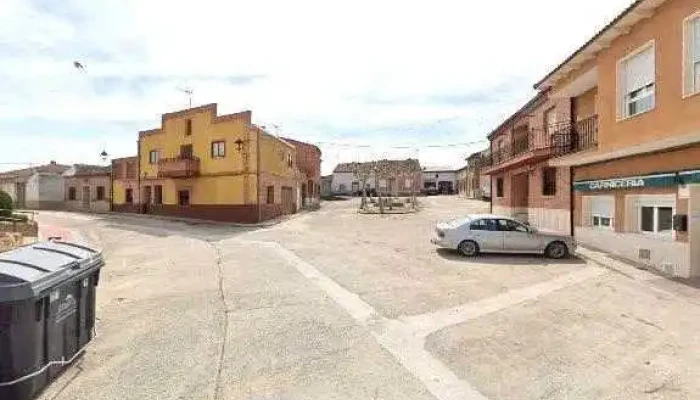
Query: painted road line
[[392, 335], [425, 324]]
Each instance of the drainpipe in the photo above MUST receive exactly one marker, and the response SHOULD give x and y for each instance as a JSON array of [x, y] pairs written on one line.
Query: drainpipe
[[138, 174], [257, 161], [572, 203]]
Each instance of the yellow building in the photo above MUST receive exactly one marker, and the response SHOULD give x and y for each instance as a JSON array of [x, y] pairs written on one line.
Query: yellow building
[[219, 167]]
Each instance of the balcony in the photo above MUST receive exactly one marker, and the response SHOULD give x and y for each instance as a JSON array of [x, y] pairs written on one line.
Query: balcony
[[538, 144], [581, 136], [178, 167]]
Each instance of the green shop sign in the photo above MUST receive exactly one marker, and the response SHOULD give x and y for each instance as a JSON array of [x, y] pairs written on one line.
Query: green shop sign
[[634, 182]]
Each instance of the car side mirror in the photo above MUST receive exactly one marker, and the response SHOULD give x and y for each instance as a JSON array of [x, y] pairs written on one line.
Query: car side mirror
[[531, 229]]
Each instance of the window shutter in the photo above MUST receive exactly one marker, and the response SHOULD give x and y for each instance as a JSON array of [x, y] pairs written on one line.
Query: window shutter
[[695, 39], [603, 205], [640, 70]]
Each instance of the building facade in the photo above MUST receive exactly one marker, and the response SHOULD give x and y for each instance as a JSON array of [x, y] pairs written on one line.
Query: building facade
[[461, 177], [125, 185], [476, 184], [439, 180], [309, 167], [88, 188], [199, 164], [523, 184], [636, 176], [392, 177], [37, 188]]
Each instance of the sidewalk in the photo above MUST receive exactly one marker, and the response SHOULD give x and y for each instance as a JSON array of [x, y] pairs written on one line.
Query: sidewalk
[[193, 221], [686, 289]]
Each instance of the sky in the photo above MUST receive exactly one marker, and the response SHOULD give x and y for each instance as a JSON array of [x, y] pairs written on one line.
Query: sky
[[361, 79]]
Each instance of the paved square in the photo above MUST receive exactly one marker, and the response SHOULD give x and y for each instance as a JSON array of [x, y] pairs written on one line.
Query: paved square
[[338, 305]]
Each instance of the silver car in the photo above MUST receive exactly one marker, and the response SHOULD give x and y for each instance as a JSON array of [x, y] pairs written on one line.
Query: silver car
[[486, 233]]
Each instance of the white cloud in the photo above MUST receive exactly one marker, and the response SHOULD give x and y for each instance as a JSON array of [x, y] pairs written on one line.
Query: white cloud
[[323, 71]]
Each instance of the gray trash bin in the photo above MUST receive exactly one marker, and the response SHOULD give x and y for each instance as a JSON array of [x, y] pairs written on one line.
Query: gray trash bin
[[47, 313]]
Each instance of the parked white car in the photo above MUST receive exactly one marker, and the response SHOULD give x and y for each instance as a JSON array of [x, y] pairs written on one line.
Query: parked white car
[[486, 233]]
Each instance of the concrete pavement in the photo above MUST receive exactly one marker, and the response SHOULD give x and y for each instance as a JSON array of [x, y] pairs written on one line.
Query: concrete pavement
[[335, 304]]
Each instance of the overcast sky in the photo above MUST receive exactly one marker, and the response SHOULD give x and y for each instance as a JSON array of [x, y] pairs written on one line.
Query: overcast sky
[[377, 74]]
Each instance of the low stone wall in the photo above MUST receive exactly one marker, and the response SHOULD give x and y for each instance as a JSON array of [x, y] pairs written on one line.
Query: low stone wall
[[26, 229], [9, 241]]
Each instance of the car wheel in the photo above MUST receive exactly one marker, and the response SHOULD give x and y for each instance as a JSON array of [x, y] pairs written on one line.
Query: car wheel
[[468, 248], [557, 250]]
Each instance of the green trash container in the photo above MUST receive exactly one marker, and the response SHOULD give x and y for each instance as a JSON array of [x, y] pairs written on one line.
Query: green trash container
[[47, 313]]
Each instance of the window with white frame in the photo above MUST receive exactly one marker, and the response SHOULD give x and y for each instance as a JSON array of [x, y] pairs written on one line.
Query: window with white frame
[[655, 219], [692, 54], [636, 77], [602, 211]]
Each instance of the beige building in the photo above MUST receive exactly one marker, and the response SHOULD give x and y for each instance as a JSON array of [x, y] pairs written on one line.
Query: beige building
[[636, 172], [39, 187], [88, 188]]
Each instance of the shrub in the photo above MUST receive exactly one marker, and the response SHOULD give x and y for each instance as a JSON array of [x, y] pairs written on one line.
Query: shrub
[[6, 204]]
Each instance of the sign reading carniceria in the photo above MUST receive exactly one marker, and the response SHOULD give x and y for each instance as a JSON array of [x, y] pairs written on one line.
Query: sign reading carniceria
[[616, 184], [633, 182]]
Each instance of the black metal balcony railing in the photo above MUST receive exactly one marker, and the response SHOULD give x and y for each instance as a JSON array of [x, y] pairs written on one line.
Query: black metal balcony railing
[[559, 139]]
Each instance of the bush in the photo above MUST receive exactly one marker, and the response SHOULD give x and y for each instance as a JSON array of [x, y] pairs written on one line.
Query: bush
[[6, 204]]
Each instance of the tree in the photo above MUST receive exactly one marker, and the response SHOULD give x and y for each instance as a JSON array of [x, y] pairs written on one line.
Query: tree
[[362, 172], [6, 204]]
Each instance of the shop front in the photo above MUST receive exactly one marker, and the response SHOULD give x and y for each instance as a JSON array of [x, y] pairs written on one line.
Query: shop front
[[652, 219]]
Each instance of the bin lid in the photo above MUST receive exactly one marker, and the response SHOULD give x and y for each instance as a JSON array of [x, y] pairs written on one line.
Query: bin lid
[[29, 271]]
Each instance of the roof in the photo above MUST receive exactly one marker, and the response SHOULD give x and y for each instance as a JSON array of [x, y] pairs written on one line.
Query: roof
[[439, 169], [636, 11], [533, 102], [50, 168], [407, 164], [210, 108], [302, 144], [87, 170]]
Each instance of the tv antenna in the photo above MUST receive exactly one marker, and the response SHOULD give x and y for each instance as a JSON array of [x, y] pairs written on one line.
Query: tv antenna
[[188, 91]]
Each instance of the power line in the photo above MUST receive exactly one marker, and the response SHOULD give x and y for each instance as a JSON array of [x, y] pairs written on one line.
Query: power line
[[417, 146]]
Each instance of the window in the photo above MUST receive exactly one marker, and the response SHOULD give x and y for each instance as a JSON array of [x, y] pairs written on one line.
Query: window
[[508, 225], [72, 193], [550, 121], [270, 195], [654, 219], [602, 209], [691, 69], [100, 193], [188, 127], [218, 149], [157, 194], [636, 75], [484, 225], [183, 198], [549, 181], [129, 196], [290, 161], [499, 187], [186, 151], [153, 157]]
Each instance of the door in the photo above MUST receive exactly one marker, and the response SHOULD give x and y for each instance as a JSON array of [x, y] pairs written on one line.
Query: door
[[486, 234], [186, 151], [146, 198], [518, 238], [288, 200], [86, 197]]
